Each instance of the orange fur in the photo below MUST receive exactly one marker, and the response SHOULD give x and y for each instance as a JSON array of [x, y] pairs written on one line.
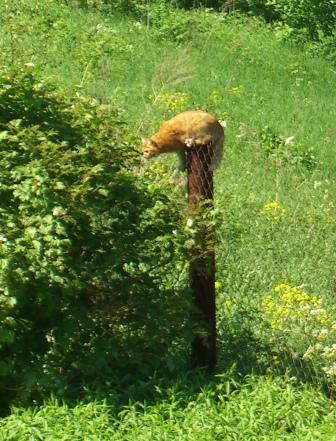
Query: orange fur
[[192, 129]]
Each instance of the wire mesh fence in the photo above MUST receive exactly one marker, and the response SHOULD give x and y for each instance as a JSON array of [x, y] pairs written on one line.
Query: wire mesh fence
[[257, 321], [202, 267]]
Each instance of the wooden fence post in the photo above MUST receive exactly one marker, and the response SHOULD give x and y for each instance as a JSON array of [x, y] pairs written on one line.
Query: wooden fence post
[[202, 268]]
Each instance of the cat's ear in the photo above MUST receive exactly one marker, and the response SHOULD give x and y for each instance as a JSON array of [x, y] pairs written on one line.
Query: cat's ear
[[152, 143], [149, 143]]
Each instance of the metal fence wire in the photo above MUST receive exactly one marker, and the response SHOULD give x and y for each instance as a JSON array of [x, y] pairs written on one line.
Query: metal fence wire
[[286, 331], [202, 267], [264, 320]]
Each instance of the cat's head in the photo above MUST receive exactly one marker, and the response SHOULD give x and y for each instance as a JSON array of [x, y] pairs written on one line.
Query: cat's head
[[149, 148]]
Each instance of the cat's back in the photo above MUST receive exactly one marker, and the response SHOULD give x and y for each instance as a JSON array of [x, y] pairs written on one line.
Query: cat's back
[[192, 120], [193, 123]]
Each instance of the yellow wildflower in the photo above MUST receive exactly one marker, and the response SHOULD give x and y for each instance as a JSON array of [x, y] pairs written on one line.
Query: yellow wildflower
[[218, 284], [173, 102], [235, 90], [273, 210]]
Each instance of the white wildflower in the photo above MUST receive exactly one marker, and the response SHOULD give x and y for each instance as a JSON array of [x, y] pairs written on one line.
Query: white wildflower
[[58, 212], [289, 140], [330, 371], [3, 239], [190, 222]]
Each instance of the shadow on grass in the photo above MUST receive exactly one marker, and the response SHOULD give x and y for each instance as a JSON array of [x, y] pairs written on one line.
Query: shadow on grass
[[240, 355], [241, 351]]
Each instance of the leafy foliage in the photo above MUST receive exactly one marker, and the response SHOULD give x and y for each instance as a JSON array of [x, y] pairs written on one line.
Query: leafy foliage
[[311, 17], [308, 22], [303, 323], [89, 259], [286, 150], [79, 326], [257, 409], [282, 150]]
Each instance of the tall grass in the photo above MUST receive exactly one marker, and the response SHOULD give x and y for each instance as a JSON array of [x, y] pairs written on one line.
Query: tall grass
[[258, 80], [261, 409]]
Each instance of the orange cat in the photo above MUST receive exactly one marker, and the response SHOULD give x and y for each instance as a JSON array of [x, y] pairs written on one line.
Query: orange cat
[[192, 129]]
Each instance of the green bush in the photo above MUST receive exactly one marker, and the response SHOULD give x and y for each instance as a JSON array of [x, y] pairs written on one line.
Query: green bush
[[199, 3], [92, 275], [132, 7], [164, 18], [315, 19], [305, 19], [173, 24], [287, 150]]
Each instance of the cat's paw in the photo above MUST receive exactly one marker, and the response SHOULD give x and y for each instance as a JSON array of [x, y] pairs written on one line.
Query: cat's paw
[[189, 142]]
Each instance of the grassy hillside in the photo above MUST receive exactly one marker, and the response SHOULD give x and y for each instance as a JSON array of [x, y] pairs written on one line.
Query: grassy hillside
[[275, 200], [246, 75]]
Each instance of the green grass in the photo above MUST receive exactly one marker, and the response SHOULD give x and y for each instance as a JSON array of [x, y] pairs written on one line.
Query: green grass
[[120, 60], [260, 409], [238, 70]]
